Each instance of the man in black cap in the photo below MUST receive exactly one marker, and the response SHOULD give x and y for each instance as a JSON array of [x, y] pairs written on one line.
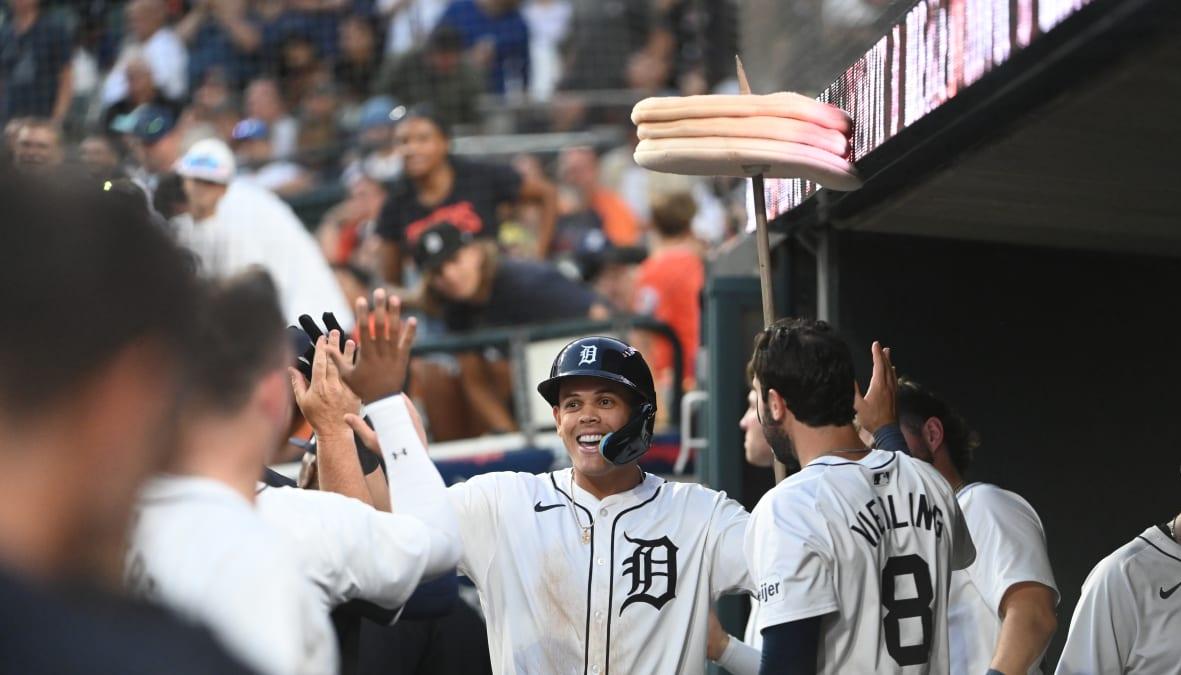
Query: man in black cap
[[471, 285], [154, 137]]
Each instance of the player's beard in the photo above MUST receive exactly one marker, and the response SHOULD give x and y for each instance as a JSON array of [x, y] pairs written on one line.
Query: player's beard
[[778, 439]]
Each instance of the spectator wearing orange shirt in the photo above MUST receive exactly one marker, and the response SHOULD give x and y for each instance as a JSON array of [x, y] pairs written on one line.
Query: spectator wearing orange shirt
[[669, 283], [578, 168]]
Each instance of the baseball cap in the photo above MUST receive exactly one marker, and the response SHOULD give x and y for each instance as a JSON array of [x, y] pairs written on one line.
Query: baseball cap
[[208, 160], [250, 129], [380, 111], [438, 244], [148, 122]]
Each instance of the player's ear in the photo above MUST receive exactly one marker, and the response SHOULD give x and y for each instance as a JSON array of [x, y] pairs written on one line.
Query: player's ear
[[557, 417], [933, 433], [273, 396], [777, 406]]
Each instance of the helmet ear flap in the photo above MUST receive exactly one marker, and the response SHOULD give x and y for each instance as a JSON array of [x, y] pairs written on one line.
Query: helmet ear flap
[[632, 440]]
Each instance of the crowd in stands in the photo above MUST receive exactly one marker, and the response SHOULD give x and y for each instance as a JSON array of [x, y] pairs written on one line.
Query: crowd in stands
[[223, 110]]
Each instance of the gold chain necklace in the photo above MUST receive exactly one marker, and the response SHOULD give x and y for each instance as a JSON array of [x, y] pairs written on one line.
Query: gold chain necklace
[[586, 529]]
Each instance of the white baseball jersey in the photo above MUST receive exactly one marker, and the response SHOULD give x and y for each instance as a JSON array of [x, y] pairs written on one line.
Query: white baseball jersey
[[202, 549], [350, 551], [633, 597], [1010, 549], [1128, 619], [254, 227], [869, 546]]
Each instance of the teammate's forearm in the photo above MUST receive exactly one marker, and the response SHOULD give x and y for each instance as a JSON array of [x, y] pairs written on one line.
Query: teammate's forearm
[[338, 468], [416, 488], [1026, 630], [739, 658]]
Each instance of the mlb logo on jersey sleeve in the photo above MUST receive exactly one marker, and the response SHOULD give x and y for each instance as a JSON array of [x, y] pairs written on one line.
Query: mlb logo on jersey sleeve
[[770, 591]]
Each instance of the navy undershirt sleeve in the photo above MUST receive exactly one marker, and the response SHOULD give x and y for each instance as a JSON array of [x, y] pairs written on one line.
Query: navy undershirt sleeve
[[790, 648], [889, 437]]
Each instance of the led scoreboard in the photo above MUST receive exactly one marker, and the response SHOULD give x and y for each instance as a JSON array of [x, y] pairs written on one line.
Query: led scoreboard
[[938, 48]]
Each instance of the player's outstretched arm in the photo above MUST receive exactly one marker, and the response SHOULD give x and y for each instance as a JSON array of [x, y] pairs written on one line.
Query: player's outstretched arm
[[416, 488], [1028, 622], [324, 402]]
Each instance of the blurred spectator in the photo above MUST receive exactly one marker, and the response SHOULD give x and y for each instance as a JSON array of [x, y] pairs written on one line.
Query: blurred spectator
[[102, 157], [641, 188], [38, 146], [438, 74], [549, 22], [609, 270], [141, 90], [436, 187], [233, 225], [35, 75], [498, 38], [154, 137], [151, 39], [380, 158], [264, 101], [359, 59], [578, 168], [319, 141], [410, 22], [607, 37], [169, 199], [346, 234], [299, 67], [470, 285], [11, 129], [82, 425], [669, 284], [220, 35], [256, 163]]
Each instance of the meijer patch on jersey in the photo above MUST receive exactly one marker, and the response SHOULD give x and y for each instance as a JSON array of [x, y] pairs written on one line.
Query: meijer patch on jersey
[[770, 591]]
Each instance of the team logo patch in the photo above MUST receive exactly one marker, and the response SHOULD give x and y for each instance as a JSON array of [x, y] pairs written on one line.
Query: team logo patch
[[588, 355], [770, 591], [653, 570]]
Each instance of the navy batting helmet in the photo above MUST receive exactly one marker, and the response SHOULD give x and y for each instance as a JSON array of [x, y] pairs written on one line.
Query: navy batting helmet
[[616, 361]]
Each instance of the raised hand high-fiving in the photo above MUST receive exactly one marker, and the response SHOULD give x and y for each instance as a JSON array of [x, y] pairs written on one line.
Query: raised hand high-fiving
[[383, 355], [879, 405]]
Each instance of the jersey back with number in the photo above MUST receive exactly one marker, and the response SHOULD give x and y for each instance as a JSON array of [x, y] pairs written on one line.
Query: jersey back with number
[[869, 546]]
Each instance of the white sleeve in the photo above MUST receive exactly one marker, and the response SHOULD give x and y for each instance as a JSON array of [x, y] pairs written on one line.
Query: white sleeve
[[416, 488], [728, 572], [476, 502], [353, 550], [740, 658], [269, 621], [790, 560], [1102, 629], [1010, 544]]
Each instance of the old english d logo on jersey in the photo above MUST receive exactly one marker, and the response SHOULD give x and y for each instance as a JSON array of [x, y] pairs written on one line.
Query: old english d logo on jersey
[[653, 569]]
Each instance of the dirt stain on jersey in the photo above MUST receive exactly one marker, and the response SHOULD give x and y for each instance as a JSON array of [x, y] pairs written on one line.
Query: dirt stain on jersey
[[561, 598]]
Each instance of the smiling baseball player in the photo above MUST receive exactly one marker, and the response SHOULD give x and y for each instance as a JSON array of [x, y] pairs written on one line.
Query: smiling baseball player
[[602, 568], [853, 554]]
